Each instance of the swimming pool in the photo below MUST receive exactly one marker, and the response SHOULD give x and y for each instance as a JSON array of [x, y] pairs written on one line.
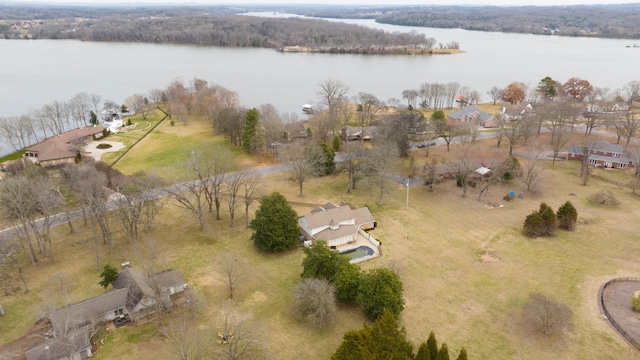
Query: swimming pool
[[357, 253]]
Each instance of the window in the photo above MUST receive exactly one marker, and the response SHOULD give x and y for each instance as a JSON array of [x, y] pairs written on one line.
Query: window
[[622, 166], [592, 161], [119, 312]]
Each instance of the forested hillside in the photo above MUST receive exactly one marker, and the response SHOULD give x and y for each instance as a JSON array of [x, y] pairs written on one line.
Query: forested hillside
[[193, 25], [610, 21]]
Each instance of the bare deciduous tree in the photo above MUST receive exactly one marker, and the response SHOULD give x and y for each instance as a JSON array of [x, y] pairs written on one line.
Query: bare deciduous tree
[[238, 337], [252, 192], [235, 182], [545, 316], [186, 341], [354, 164], [232, 269], [532, 168], [380, 161], [302, 165], [314, 301]]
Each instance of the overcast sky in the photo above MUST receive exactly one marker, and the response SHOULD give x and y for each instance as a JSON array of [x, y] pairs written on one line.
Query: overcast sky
[[351, 2]]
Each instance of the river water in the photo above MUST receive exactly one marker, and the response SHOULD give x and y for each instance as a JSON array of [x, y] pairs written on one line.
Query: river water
[[36, 72]]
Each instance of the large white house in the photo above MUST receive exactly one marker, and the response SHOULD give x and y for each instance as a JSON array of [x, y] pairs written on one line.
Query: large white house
[[335, 224]]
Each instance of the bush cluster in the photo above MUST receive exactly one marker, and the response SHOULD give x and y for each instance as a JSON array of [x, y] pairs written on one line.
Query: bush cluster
[[544, 222], [375, 290]]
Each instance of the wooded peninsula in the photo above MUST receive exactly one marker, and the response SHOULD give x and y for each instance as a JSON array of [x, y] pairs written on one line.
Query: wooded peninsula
[[209, 26]]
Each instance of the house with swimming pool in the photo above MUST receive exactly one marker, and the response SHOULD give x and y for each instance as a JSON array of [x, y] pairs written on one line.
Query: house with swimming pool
[[342, 227]]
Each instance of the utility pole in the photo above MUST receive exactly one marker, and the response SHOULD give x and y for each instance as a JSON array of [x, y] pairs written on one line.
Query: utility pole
[[407, 185]]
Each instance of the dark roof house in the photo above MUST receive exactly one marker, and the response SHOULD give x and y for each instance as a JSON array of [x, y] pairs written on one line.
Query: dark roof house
[[63, 148], [101, 308], [142, 297], [472, 114], [74, 346]]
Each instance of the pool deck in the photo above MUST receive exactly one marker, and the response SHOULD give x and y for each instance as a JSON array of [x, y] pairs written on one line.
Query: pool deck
[[361, 241]]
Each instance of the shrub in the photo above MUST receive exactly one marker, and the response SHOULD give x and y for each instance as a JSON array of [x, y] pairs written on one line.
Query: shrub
[[322, 262], [314, 301], [544, 316], [534, 225], [550, 219], [567, 216], [380, 289], [347, 281], [605, 197], [541, 223]]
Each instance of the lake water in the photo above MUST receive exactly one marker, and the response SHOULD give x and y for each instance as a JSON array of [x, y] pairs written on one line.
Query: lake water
[[35, 72]]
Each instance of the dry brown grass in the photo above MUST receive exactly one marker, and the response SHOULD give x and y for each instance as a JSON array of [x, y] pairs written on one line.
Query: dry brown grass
[[440, 242]]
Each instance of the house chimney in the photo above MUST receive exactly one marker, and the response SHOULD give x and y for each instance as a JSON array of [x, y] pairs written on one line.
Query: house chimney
[[125, 265]]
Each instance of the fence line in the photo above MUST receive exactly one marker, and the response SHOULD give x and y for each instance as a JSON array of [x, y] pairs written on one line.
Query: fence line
[[602, 178], [166, 115], [630, 339]]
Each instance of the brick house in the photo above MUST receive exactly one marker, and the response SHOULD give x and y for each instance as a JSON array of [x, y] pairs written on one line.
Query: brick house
[[601, 154]]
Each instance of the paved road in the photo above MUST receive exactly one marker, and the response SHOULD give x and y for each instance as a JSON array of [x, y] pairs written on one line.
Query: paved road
[[61, 218]]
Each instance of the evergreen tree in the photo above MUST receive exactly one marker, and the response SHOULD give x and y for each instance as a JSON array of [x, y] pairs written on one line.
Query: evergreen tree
[[432, 343], [108, 275], [549, 218], [337, 142], [462, 355], [322, 262], [423, 352], [383, 340], [347, 281], [329, 159], [534, 225], [275, 226], [567, 216], [443, 354], [380, 289], [93, 118], [250, 130]]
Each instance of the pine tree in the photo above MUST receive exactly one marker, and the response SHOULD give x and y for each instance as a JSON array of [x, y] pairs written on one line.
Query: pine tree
[[385, 339], [432, 343], [462, 355], [443, 354], [549, 218], [567, 216], [423, 352], [251, 119], [534, 224]]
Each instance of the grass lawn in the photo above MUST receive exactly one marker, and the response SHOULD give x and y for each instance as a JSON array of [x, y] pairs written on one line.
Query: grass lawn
[[466, 267]]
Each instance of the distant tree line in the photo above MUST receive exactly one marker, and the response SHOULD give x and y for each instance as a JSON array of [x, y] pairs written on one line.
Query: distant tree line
[[178, 26], [609, 21], [593, 21]]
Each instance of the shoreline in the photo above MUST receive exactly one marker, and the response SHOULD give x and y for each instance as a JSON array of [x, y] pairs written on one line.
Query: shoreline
[[395, 50]]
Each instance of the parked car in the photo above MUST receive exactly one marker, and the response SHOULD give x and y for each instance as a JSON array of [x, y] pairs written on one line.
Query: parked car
[[425, 144]]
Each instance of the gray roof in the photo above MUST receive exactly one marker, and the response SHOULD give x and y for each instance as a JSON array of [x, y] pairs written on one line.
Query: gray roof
[[325, 216], [136, 282], [601, 146], [330, 234], [140, 285], [169, 278], [60, 348], [332, 215], [78, 314]]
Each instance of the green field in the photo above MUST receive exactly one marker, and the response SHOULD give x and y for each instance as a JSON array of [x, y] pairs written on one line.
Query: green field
[[466, 267]]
